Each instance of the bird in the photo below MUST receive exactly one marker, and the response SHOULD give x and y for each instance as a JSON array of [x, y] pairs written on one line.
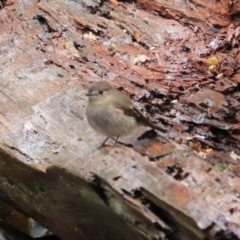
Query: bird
[[112, 113]]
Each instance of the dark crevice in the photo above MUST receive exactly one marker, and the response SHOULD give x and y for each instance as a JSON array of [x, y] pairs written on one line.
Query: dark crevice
[[99, 190], [44, 23], [177, 231], [225, 235], [177, 172], [3, 3], [158, 158], [232, 90], [150, 134]]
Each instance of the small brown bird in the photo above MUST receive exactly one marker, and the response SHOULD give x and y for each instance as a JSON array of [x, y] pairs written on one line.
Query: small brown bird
[[112, 113]]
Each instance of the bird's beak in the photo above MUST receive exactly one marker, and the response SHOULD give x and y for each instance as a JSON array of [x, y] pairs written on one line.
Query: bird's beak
[[87, 94]]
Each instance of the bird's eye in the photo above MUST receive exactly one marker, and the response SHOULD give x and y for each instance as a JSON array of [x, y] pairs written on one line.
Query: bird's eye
[[101, 91]]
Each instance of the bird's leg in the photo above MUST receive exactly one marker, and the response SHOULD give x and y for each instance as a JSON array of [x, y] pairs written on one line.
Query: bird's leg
[[116, 140], [104, 141]]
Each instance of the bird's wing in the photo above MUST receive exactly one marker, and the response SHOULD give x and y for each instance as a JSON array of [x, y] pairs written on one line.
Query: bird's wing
[[123, 103]]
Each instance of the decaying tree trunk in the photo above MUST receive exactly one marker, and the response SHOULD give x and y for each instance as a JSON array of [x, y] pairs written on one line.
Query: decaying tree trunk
[[179, 61]]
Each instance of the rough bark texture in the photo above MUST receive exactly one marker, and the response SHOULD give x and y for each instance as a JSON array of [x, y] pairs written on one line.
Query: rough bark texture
[[179, 61]]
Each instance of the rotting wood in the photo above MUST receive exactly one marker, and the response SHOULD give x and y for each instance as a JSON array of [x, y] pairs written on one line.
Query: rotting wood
[[158, 190]]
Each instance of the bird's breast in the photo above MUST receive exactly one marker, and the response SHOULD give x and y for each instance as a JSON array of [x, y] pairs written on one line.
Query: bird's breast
[[110, 121]]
